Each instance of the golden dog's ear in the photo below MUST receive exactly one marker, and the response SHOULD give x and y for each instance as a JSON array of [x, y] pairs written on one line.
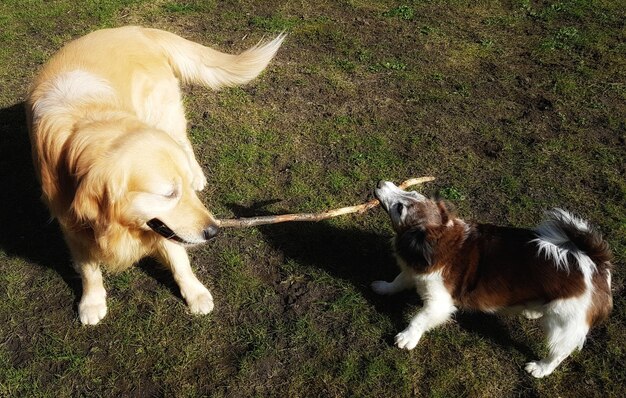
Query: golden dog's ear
[[97, 195], [89, 200], [86, 204], [95, 177]]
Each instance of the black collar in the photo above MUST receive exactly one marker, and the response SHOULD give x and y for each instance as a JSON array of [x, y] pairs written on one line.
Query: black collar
[[160, 228]]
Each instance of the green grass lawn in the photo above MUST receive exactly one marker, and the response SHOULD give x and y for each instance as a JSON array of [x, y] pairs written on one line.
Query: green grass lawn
[[515, 107]]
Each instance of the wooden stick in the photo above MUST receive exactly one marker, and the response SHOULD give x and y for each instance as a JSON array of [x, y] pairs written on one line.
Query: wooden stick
[[263, 220]]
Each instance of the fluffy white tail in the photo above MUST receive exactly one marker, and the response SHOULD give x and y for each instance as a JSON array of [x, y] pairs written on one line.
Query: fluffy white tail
[[195, 63], [564, 237]]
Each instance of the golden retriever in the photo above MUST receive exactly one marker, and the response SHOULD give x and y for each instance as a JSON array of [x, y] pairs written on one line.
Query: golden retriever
[[109, 144]]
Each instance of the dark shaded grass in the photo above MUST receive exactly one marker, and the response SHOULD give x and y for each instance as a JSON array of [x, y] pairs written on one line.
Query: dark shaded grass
[[27, 230]]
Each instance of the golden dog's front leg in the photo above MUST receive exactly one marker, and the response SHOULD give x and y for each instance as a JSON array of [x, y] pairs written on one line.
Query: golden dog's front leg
[[197, 296], [92, 307]]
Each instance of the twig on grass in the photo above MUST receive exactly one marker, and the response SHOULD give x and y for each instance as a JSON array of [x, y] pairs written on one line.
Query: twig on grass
[[263, 220]]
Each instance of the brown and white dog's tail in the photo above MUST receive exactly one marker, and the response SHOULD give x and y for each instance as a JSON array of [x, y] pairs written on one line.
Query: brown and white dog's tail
[[570, 241], [195, 63]]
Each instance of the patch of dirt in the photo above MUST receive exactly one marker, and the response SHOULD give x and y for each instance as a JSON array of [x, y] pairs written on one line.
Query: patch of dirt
[[19, 347]]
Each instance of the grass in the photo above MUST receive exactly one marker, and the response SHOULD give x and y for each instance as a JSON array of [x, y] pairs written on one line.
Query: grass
[[515, 107]]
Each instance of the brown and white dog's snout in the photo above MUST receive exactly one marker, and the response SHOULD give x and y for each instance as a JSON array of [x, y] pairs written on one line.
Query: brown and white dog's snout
[[384, 193], [390, 196], [382, 183]]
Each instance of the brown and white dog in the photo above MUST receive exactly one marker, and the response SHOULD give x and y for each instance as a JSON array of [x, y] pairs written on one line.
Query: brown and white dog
[[110, 148], [560, 271]]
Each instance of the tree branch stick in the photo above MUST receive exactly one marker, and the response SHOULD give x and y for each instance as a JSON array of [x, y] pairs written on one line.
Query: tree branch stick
[[263, 220]]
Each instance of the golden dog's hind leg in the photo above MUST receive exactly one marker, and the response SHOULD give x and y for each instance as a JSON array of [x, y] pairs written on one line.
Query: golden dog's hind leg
[[197, 296], [92, 307]]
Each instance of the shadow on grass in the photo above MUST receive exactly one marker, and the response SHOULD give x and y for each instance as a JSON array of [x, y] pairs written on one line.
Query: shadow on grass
[[26, 229], [361, 257], [161, 274]]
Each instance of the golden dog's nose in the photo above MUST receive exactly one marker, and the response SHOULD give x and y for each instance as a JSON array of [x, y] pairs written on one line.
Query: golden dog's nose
[[210, 232]]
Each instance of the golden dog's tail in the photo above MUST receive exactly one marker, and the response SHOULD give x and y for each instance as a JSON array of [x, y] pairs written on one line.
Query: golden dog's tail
[[195, 63]]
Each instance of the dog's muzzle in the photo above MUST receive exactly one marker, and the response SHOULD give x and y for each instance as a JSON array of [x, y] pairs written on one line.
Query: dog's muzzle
[[210, 232], [162, 229], [381, 193]]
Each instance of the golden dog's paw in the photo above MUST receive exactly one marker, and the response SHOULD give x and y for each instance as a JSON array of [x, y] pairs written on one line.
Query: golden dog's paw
[[199, 180], [200, 302], [91, 311]]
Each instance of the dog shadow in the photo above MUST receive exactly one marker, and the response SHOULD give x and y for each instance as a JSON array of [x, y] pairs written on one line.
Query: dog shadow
[[161, 274], [361, 257], [357, 256], [26, 230]]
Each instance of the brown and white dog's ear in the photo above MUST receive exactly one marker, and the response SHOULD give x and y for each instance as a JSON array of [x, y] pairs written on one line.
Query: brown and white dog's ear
[[443, 212], [413, 248], [447, 211]]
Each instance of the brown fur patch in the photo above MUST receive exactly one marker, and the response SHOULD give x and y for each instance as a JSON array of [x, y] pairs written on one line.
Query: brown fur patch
[[485, 267], [602, 299]]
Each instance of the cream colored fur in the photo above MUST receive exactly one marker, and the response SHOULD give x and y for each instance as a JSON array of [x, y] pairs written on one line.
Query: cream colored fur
[[110, 148]]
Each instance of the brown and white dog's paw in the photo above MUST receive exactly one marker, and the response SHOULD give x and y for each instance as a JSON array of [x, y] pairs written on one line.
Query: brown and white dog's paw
[[538, 369], [91, 310], [530, 314], [382, 287], [408, 338]]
